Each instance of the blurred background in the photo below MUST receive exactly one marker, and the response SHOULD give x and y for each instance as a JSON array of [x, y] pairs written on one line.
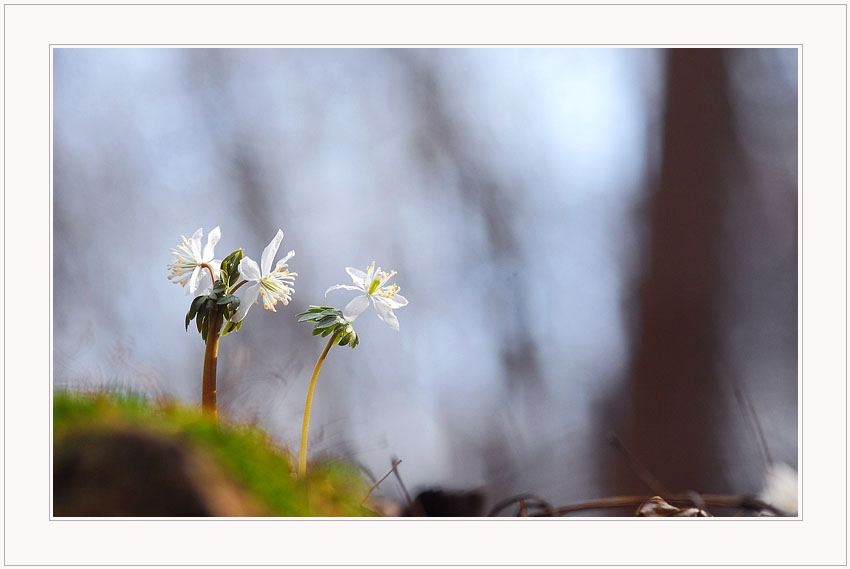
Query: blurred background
[[599, 247]]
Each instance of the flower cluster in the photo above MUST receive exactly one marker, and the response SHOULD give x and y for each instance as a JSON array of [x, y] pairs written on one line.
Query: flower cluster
[[219, 302], [233, 285]]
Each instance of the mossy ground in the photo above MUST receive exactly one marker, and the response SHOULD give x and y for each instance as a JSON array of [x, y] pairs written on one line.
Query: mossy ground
[[244, 454]]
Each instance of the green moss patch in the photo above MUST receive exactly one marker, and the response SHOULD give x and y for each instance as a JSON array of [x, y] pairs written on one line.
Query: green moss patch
[[234, 459]]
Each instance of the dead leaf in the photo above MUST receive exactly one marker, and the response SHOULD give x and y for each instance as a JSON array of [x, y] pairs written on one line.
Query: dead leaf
[[657, 507]]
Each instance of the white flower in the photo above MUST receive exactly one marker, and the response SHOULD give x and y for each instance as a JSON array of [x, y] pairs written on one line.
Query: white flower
[[372, 283], [187, 267], [273, 285], [780, 488]]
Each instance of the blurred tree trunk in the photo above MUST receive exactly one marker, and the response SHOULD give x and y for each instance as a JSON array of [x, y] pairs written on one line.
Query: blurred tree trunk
[[677, 408]]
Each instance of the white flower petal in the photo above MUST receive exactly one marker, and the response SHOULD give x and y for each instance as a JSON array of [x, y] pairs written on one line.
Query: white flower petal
[[385, 313], [192, 285], [269, 252], [249, 269], [280, 264], [247, 298], [204, 283], [395, 301], [358, 276], [195, 243], [212, 239], [354, 308], [346, 287]]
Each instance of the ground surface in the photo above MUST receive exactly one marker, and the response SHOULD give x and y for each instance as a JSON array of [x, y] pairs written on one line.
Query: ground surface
[[118, 455]]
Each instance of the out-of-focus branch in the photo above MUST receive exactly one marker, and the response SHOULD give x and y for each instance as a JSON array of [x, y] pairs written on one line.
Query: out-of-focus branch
[[712, 500]]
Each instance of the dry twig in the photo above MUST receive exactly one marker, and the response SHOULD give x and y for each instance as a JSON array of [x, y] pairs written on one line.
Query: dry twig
[[749, 413], [712, 500], [403, 487], [523, 501], [384, 477]]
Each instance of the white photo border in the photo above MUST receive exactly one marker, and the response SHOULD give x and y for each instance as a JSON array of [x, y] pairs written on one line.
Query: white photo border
[[818, 537]]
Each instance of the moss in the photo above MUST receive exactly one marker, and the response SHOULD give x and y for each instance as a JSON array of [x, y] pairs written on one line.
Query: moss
[[244, 454]]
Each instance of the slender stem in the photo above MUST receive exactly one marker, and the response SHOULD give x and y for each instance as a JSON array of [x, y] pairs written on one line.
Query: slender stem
[[237, 286], [210, 269], [210, 363], [305, 427]]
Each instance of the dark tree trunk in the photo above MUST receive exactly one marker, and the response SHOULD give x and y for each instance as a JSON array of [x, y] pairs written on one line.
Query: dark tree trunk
[[676, 393]]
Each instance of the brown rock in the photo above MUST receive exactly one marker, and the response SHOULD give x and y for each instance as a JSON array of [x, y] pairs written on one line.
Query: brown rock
[[133, 473]]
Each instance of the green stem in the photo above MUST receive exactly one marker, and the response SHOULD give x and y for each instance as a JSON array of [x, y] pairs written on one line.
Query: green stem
[[210, 363], [305, 427]]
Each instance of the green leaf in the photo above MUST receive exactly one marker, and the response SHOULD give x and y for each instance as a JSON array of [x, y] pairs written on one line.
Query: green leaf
[[328, 321], [226, 299], [233, 259], [229, 270], [233, 267], [231, 327], [193, 309], [205, 332], [313, 309], [196, 303], [199, 321], [229, 309], [345, 339], [321, 314]]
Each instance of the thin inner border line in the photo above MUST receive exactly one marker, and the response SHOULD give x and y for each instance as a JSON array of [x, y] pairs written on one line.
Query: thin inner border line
[[545, 520]]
